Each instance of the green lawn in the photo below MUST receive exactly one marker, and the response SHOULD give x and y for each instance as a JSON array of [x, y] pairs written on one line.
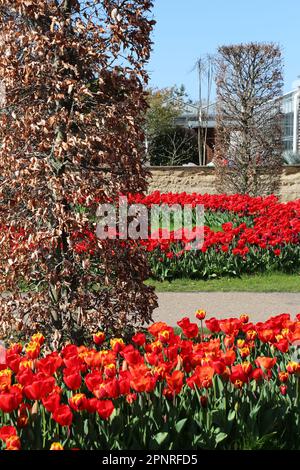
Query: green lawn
[[274, 282]]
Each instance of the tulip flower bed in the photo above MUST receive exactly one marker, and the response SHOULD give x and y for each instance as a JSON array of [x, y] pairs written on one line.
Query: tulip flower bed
[[237, 387], [242, 235]]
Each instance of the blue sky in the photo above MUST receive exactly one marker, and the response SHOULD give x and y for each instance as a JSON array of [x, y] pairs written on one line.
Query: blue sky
[[187, 29]]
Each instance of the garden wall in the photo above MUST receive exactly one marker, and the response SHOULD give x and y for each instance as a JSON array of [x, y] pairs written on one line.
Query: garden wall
[[202, 180]]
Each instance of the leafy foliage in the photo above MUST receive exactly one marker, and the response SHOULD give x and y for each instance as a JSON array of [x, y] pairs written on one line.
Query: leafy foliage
[[70, 129], [165, 106]]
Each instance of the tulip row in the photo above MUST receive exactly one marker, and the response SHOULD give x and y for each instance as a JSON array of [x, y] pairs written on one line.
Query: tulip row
[[237, 386], [242, 234]]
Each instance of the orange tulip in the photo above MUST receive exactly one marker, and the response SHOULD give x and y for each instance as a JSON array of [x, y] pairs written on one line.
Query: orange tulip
[[5, 379], [244, 352], [56, 446], [175, 381], [78, 402], [251, 335], [155, 328], [33, 350], [283, 376], [117, 344], [265, 362], [38, 338], [13, 443], [230, 326], [202, 377], [266, 335]]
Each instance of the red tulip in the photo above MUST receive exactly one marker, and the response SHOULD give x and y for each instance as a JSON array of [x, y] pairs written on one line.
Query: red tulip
[[99, 338], [117, 344], [132, 356], [131, 397], [203, 401], [78, 402], [10, 401], [230, 326], [7, 431], [200, 314], [239, 374], [213, 325], [51, 402], [105, 408], [175, 381], [124, 382], [91, 405], [39, 388], [202, 377], [72, 379], [139, 339], [50, 364], [283, 389], [257, 375], [141, 379], [63, 415], [190, 330], [25, 377], [93, 380], [244, 318]]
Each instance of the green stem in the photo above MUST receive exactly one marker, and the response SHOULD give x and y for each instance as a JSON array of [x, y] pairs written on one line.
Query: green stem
[[297, 396], [44, 426]]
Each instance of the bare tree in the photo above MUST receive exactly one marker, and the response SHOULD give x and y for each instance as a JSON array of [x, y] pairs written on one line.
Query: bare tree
[[248, 148], [174, 146]]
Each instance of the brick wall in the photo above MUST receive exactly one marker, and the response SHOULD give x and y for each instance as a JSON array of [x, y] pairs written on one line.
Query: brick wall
[[202, 179]]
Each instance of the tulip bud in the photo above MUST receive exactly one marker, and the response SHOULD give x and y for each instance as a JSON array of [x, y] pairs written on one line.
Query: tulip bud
[[99, 338], [200, 314], [283, 389], [244, 318], [203, 401], [283, 376]]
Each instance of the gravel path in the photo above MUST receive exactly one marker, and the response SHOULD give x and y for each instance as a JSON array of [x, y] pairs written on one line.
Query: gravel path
[[259, 306]]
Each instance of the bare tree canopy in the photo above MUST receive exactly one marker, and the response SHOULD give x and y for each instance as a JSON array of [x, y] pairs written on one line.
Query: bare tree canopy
[[174, 147], [71, 131], [249, 87]]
